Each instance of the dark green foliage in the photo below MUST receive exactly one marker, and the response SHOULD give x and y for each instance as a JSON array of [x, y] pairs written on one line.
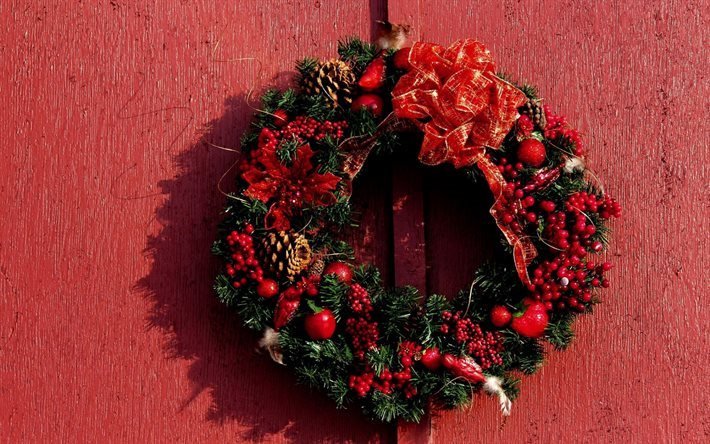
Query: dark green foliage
[[395, 306], [224, 290], [357, 53], [286, 151], [241, 210], [333, 295], [328, 156], [381, 358], [521, 353], [338, 215], [559, 332], [530, 91]]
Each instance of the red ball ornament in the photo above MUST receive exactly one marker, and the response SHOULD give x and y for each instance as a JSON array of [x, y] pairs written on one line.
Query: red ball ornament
[[341, 270], [280, 118], [267, 289], [370, 102], [532, 152], [500, 316], [431, 358], [320, 325]]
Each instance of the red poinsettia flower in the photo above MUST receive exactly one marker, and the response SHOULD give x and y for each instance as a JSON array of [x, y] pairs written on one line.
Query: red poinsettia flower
[[293, 186]]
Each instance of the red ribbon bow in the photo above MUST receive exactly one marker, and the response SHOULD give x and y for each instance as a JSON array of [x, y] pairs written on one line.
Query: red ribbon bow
[[463, 107], [467, 107]]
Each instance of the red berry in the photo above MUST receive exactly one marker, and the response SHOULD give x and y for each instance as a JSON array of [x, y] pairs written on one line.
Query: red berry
[[431, 358], [320, 325], [401, 59], [500, 316], [268, 288], [280, 118], [373, 78], [533, 322], [341, 270], [370, 102], [532, 152]]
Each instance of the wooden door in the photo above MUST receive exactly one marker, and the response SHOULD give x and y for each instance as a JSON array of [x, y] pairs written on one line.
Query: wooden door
[[110, 111]]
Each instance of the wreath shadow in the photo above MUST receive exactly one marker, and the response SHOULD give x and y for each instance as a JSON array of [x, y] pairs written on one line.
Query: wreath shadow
[[245, 388]]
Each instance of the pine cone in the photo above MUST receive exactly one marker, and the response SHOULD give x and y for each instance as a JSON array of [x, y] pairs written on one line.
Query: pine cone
[[285, 254], [334, 79], [534, 110]]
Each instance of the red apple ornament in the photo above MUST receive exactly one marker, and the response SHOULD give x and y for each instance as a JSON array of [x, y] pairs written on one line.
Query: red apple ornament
[[431, 358], [320, 325], [533, 322], [373, 78]]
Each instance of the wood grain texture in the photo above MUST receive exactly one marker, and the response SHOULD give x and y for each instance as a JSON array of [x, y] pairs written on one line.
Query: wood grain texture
[[108, 328], [109, 331], [632, 76]]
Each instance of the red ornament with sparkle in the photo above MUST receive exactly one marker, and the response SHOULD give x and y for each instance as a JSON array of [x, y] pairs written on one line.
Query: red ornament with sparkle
[[371, 102], [267, 288], [500, 316], [532, 152], [533, 322], [341, 270], [320, 325]]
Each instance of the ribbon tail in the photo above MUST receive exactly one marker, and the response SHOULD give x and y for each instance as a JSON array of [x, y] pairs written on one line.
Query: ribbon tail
[[523, 249], [357, 149]]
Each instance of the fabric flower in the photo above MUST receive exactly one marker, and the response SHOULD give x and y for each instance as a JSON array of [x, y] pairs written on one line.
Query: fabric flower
[[293, 186]]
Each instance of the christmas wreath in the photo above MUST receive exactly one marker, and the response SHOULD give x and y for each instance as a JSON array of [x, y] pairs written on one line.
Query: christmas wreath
[[391, 350]]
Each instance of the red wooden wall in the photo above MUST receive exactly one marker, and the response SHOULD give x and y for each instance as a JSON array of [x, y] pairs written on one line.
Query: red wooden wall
[[108, 330]]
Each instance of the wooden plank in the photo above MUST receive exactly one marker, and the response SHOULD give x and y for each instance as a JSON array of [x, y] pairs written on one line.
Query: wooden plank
[[409, 256], [100, 108], [631, 79]]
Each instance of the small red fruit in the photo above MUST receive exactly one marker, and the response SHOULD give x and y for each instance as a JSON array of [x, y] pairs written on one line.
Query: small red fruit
[[431, 358], [373, 78], [341, 270], [500, 316], [400, 60], [532, 152], [533, 322], [370, 102], [267, 289], [280, 118], [320, 325]]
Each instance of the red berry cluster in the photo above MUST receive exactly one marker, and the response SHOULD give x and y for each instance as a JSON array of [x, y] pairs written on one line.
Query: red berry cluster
[[362, 383], [566, 280], [388, 381], [558, 128], [524, 126], [359, 299], [301, 128], [243, 266], [361, 328], [485, 347]]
